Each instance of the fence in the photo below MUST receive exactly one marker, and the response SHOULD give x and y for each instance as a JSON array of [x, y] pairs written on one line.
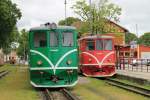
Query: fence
[[139, 65]]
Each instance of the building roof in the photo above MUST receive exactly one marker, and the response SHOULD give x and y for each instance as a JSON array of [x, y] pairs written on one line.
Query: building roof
[[126, 30]]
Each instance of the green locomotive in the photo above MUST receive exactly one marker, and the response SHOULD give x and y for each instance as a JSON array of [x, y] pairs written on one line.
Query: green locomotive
[[53, 56]]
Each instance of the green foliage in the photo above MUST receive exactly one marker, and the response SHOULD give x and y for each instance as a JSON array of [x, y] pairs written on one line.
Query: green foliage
[[9, 15], [23, 44], [145, 39], [69, 21], [13, 38], [83, 28], [130, 37], [97, 14]]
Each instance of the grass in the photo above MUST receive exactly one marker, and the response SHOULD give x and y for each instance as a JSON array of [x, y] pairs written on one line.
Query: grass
[[97, 89], [16, 86], [133, 83]]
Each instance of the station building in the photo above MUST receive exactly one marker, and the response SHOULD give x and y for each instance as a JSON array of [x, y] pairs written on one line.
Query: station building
[[139, 52]]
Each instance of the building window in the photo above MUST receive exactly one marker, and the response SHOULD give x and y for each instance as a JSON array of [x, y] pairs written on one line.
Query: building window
[[127, 54], [121, 54]]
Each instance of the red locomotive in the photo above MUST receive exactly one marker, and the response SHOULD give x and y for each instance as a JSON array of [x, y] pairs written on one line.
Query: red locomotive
[[97, 56]]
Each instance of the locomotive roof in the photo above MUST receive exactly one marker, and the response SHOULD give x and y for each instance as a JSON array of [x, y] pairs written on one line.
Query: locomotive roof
[[96, 36], [48, 28]]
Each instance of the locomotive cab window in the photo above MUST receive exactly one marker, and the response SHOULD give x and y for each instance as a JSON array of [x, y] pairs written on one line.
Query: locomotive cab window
[[108, 44], [90, 45], [54, 39], [99, 44], [67, 39], [40, 40]]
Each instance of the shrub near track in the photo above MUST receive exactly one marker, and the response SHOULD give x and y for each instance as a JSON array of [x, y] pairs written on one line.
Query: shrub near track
[[15, 85]]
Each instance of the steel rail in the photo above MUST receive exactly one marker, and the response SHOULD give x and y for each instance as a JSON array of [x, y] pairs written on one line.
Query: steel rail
[[135, 89], [47, 95], [3, 73], [68, 94]]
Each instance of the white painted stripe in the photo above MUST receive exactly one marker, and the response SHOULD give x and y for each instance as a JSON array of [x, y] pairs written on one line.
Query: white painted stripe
[[99, 63], [92, 56], [89, 64], [106, 57], [54, 67], [46, 68], [66, 54], [37, 52], [53, 86], [55, 50], [100, 75]]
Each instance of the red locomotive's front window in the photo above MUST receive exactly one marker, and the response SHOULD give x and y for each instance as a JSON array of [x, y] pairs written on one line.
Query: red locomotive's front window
[[90, 45], [104, 44], [108, 44], [99, 44]]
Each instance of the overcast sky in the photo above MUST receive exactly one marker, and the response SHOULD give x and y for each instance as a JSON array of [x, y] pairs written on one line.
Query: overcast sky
[[36, 12]]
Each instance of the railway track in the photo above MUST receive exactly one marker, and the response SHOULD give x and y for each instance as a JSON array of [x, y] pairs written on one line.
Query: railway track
[[135, 89], [61, 94], [3, 73]]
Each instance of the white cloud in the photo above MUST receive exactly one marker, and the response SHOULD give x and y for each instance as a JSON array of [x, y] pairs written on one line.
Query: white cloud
[[135, 12], [36, 12]]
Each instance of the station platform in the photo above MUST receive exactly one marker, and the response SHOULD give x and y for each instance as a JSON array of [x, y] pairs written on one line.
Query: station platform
[[134, 74]]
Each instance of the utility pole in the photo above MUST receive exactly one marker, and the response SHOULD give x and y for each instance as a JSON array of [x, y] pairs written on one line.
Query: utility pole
[[138, 54], [136, 26], [65, 12], [90, 3]]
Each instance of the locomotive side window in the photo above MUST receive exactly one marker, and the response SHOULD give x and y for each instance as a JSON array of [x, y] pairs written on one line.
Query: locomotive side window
[[90, 45], [108, 44], [99, 45], [54, 39], [40, 40], [67, 39]]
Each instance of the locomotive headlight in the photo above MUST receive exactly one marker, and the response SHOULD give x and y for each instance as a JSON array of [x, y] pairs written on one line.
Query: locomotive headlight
[[69, 62], [90, 60], [39, 62], [109, 60]]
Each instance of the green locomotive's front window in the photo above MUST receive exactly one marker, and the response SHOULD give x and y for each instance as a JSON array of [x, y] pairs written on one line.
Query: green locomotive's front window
[[54, 39], [67, 39], [40, 39]]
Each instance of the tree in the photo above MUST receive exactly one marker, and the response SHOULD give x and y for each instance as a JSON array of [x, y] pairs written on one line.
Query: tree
[[10, 43], [9, 15], [97, 14], [130, 37], [145, 39], [69, 21], [23, 44]]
